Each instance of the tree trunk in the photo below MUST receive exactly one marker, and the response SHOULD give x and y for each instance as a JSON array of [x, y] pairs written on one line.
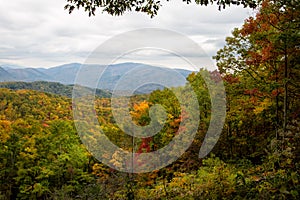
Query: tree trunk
[[285, 87]]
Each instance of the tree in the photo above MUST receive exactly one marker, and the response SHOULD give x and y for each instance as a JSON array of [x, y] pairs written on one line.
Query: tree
[[274, 37], [260, 67], [267, 48], [150, 7]]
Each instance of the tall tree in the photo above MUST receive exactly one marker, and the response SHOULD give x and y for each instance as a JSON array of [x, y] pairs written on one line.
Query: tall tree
[[260, 67], [267, 48], [274, 38]]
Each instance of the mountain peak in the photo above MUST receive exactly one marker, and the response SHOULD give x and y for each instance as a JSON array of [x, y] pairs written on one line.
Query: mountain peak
[[5, 75]]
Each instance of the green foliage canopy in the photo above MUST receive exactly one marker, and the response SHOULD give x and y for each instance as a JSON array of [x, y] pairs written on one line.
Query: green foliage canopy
[[150, 7]]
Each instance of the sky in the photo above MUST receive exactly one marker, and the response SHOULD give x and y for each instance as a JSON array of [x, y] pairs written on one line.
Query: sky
[[40, 33]]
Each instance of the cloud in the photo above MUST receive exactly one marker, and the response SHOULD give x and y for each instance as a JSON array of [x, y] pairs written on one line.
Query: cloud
[[41, 33]]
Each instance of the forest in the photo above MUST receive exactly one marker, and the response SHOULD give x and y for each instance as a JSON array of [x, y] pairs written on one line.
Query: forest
[[256, 157], [51, 87]]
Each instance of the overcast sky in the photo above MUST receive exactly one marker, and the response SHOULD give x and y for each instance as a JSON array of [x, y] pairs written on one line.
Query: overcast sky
[[40, 33]]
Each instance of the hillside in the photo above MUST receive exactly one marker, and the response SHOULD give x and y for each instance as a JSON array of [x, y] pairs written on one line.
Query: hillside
[[43, 156], [51, 87], [232, 133]]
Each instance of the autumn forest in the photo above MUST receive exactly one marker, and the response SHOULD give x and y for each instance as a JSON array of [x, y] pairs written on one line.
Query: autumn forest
[[256, 157]]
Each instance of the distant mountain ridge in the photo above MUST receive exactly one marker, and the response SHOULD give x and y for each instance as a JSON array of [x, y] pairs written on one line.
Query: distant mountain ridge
[[10, 66], [66, 74], [5, 76]]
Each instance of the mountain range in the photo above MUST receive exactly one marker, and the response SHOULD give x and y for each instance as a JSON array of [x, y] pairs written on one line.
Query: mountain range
[[110, 75]]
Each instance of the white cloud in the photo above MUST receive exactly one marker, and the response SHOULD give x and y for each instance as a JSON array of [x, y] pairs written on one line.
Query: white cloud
[[42, 34]]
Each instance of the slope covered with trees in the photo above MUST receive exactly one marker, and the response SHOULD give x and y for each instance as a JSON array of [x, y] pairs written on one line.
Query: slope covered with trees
[[256, 157], [50, 87]]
